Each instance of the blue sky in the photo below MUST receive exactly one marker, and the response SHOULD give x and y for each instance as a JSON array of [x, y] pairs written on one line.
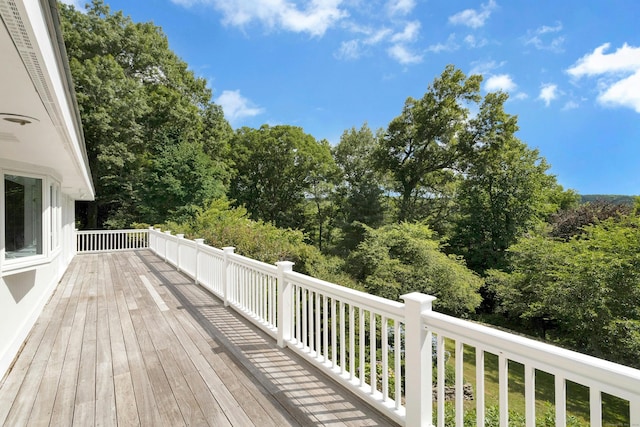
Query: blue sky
[[571, 67]]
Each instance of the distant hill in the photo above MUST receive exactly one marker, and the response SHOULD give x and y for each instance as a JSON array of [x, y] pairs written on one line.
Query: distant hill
[[613, 198]]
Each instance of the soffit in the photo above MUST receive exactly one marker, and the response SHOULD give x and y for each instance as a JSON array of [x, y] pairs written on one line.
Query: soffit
[[26, 89]]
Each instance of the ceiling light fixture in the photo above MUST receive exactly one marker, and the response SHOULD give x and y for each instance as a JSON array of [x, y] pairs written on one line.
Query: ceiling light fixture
[[18, 119]]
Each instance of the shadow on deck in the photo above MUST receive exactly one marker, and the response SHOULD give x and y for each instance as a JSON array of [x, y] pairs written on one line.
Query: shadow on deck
[[128, 340]]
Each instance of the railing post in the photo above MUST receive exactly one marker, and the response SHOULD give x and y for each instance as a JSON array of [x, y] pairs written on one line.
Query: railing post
[[285, 303], [150, 235], [418, 361], [226, 272], [199, 242], [180, 237], [76, 241], [166, 244]]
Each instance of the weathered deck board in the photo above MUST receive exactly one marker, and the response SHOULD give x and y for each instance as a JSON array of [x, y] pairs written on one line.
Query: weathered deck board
[[127, 340]]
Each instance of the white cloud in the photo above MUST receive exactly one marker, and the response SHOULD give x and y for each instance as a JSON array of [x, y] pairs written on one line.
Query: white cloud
[[403, 55], [548, 92], [472, 42], [472, 17], [625, 59], [520, 96], [399, 49], [409, 34], [570, 105], [400, 7], [625, 93], [550, 29], [449, 46], [236, 106], [314, 18], [349, 50], [502, 82], [398, 43], [618, 74], [378, 36], [368, 35], [537, 38], [485, 67], [554, 45]]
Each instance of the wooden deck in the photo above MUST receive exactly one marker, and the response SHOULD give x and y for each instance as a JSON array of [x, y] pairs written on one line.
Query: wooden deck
[[127, 340]]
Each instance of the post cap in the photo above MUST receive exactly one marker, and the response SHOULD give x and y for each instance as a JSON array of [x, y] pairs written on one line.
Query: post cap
[[285, 265], [418, 297]]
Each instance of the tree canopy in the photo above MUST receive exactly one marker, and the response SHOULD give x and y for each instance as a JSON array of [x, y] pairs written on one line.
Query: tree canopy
[[400, 258], [506, 189], [359, 196], [275, 170], [422, 147], [144, 115], [583, 293]]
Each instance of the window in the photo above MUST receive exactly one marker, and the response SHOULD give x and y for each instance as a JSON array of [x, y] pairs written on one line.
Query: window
[[23, 216]]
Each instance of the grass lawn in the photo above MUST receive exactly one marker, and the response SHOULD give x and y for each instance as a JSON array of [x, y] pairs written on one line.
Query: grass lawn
[[615, 410]]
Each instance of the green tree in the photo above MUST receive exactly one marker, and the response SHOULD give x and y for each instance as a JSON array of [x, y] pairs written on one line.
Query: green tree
[[583, 293], [505, 191], [139, 102], [321, 211], [221, 225], [422, 147], [179, 180], [359, 196], [401, 258], [276, 169]]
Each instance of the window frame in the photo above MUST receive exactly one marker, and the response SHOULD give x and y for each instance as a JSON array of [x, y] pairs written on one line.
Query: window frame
[[54, 215], [50, 221]]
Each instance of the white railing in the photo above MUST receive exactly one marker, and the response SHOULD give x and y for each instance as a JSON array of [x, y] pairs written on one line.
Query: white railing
[[382, 350], [111, 240], [342, 331], [598, 375], [353, 336]]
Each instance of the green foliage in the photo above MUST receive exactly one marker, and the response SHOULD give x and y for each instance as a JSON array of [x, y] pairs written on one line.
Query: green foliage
[[585, 292], [506, 189], [275, 169], [178, 181], [422, 146], [359, 197], [221, 225], [492, 417], [146, 119], [320, 219], [402, 258]]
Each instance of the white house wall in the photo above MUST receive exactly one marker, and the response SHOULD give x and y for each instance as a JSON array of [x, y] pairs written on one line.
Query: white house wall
[[23, 295], [35, 83]]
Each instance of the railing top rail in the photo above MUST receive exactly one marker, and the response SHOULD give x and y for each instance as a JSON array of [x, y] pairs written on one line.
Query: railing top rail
[[375, 303], [128, 231], [252, 263], [187, 242], [210, 249], [591, 371]]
